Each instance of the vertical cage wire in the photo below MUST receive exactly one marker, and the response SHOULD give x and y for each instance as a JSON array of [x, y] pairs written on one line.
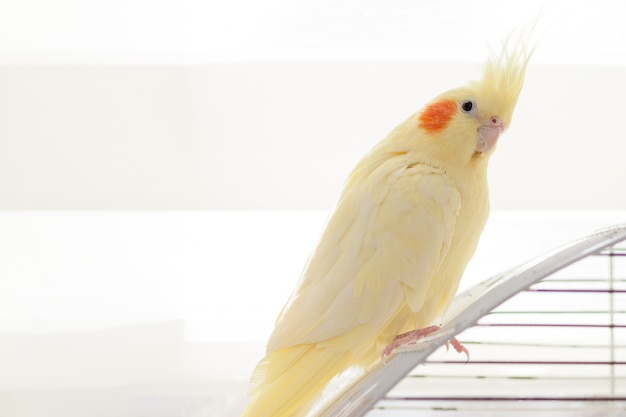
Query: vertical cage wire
[[557, 348]]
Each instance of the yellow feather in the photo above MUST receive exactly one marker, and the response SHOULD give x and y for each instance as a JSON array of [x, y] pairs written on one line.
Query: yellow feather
[[392, 255], [504, 73]]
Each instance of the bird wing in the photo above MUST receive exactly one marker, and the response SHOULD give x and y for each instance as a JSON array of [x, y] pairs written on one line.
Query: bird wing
[[381, 247]]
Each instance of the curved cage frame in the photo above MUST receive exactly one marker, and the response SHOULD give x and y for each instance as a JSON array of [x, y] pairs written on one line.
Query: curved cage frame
[[473, 306]]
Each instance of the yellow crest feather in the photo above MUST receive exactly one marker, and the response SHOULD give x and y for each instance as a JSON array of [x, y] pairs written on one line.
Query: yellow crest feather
[[504, 73]]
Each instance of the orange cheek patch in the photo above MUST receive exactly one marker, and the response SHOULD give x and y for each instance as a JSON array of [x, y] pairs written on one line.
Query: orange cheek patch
[[436, 116]]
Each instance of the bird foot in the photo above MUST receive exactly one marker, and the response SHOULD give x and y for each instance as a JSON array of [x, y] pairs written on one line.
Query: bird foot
[[412, 337]]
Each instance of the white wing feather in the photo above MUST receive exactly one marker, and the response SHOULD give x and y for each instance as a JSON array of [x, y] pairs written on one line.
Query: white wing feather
[[381, 248]]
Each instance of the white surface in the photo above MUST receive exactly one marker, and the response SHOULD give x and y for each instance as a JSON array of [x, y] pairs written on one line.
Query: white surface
[[137, 309]]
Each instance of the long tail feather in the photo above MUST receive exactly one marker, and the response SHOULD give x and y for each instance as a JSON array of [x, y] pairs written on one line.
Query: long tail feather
[[287, 382]]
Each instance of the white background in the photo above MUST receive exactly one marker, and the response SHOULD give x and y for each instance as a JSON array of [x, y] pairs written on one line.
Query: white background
[[252, 112]]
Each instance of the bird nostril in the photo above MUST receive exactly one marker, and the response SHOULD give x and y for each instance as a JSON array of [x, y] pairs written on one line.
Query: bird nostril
[[495, 121]]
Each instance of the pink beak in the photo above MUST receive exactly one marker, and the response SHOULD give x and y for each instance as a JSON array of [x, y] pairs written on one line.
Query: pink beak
[[488, 134]]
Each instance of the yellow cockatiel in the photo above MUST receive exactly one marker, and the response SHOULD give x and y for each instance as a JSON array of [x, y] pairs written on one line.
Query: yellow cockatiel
[[393, 252]]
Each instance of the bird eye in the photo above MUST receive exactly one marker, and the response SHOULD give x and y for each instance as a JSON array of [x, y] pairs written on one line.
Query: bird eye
[[467, 106]]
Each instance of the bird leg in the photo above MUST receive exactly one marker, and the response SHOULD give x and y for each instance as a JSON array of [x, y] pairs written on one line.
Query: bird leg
[[414, 336]]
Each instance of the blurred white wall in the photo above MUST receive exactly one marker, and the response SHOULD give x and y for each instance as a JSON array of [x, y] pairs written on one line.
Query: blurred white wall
[[284, 135], [236, 105]]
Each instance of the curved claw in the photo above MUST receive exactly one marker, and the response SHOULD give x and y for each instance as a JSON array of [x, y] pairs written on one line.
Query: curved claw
[[458, 347]]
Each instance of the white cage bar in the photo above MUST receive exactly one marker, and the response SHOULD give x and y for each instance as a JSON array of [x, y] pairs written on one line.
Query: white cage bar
[[547, 337]]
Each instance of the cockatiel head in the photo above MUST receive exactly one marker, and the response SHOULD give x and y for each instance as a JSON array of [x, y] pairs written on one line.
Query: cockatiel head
[[461, 127]]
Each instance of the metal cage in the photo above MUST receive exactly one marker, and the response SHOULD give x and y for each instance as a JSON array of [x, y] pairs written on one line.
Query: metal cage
[[547, 337]]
